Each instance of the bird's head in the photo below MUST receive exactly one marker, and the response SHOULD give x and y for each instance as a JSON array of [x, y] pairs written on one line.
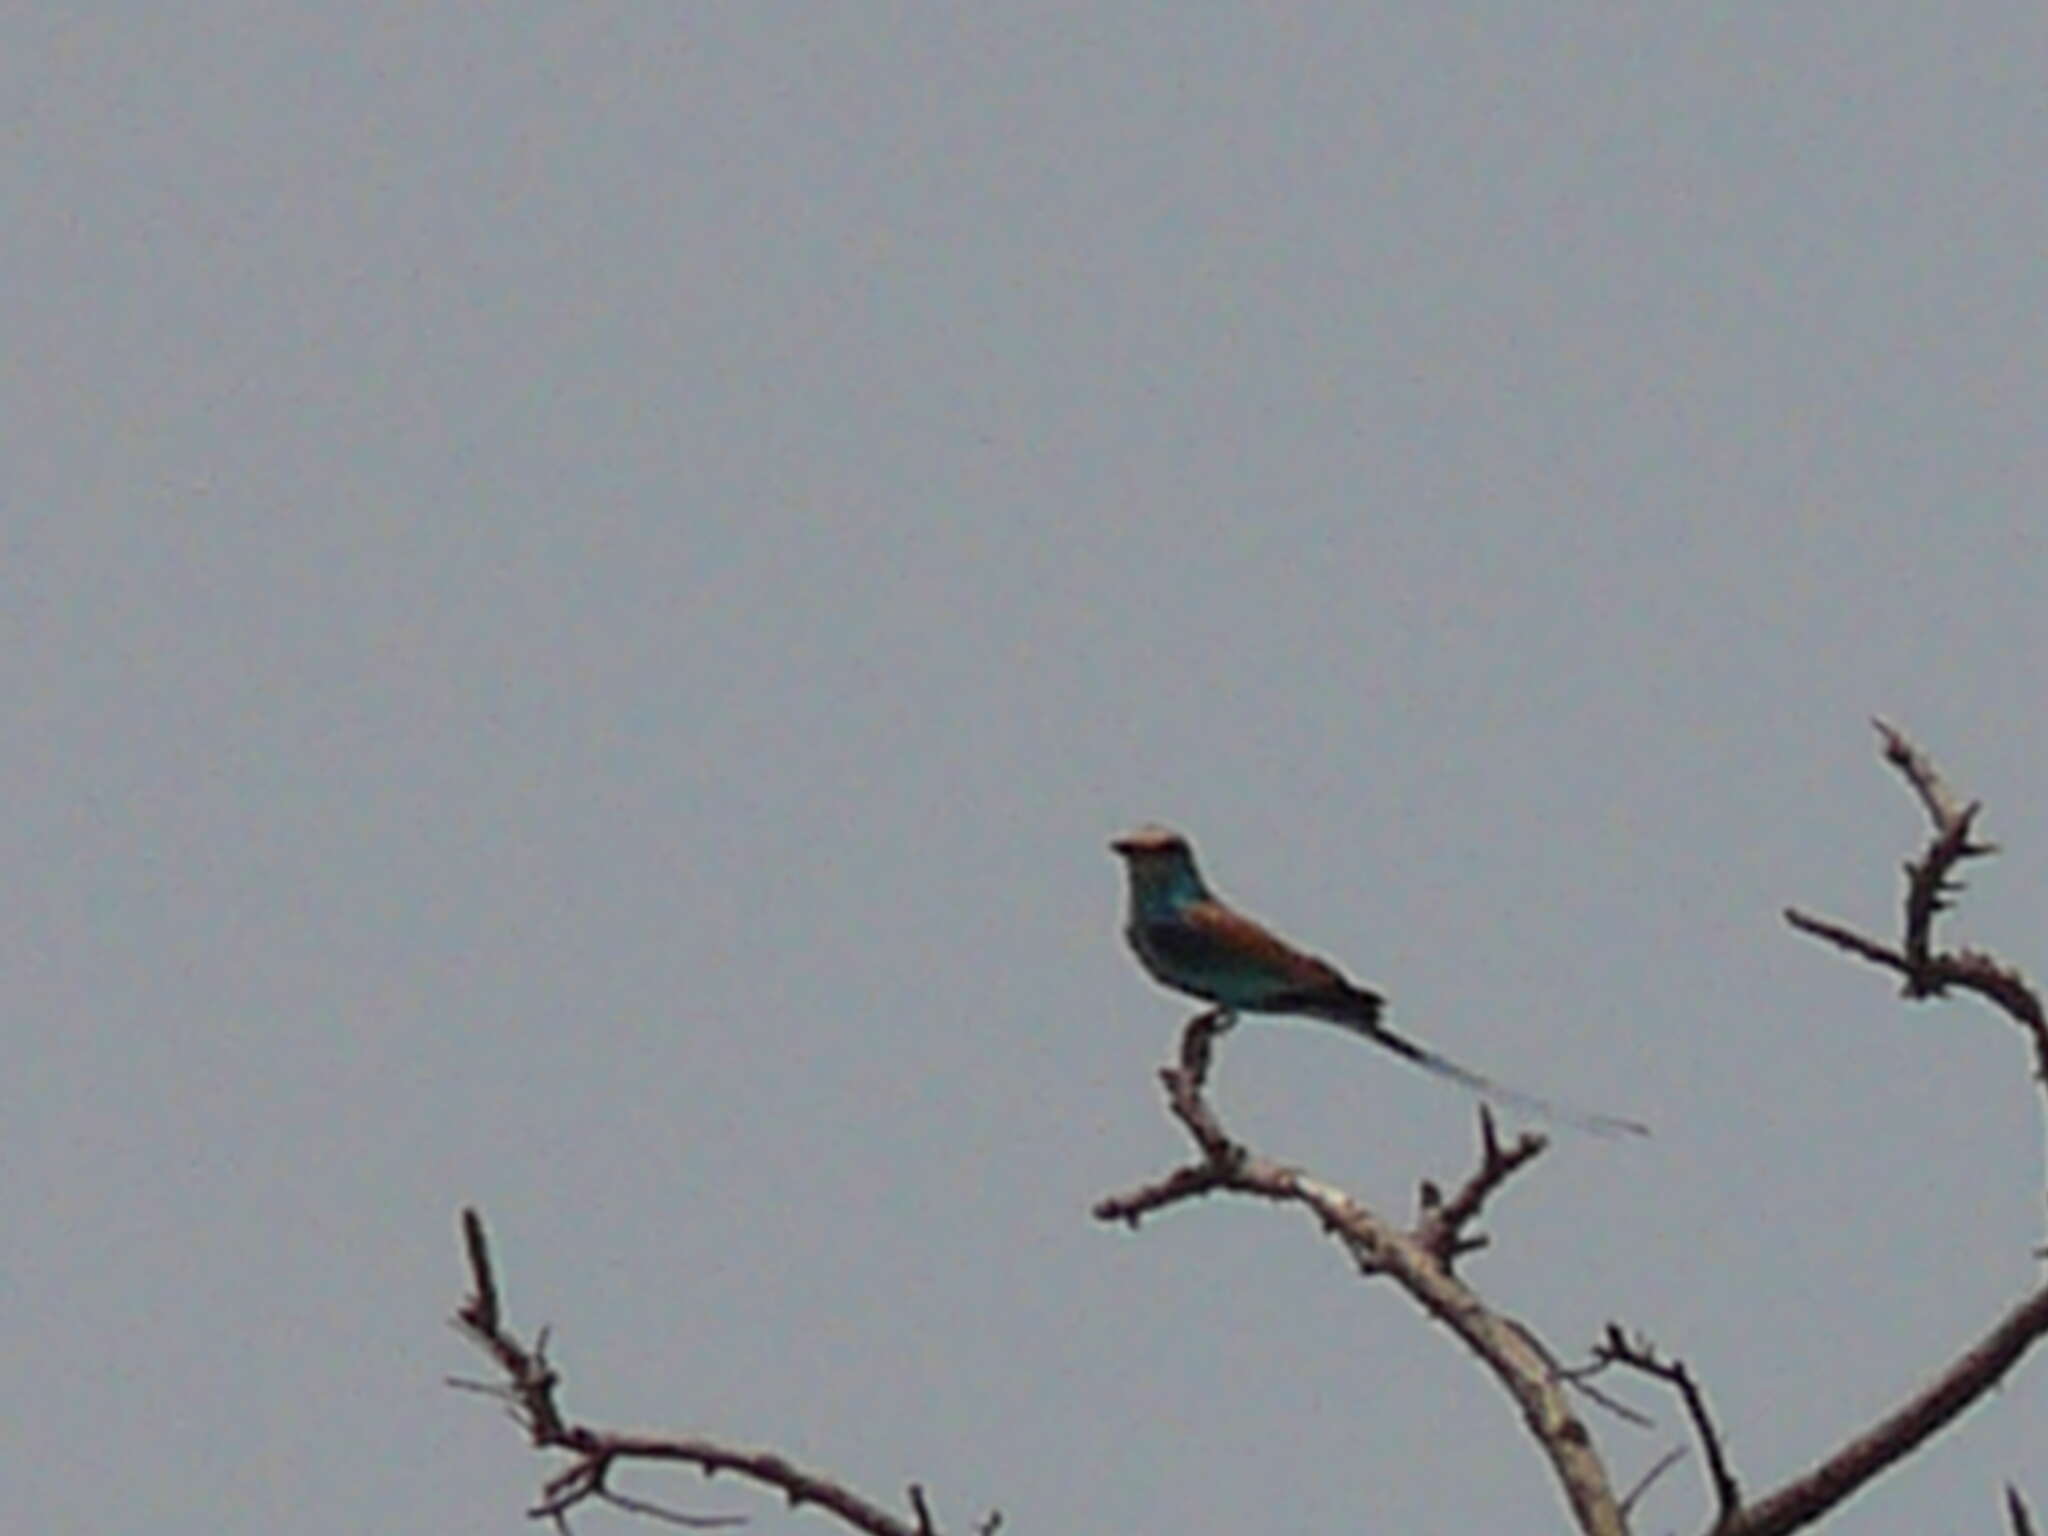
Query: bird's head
[[1162, 865], [1151, 841]]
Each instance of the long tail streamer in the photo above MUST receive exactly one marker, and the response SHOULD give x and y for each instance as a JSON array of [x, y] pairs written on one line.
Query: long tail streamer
[[1487, 1088]]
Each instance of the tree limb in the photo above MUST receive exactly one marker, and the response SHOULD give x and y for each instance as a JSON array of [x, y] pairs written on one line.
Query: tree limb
[[1928, 972], [529, 1392], [1931, 886], [1812, 1494], [1418, 1261]]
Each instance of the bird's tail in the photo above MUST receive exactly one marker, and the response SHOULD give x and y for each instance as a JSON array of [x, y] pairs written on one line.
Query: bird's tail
[[1365, 1021]]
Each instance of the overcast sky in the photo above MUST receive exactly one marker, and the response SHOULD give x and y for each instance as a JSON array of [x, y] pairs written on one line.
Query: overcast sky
[[585, 585]]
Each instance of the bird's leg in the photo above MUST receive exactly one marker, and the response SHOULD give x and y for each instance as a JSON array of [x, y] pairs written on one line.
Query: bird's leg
[[1216, 1021]]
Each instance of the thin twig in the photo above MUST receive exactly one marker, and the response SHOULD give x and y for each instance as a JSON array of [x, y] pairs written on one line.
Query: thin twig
[[1944, 809], [1847, 938], [1581, 1379], [1658, 1468], [2016, 1510], [1442, 1229], [1640, 1354]]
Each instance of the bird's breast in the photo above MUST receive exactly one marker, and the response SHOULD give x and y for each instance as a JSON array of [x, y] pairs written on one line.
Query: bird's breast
[[1183, 957]]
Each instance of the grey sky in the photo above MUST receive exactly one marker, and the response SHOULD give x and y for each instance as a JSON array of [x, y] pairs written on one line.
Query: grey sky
[[585, 585]]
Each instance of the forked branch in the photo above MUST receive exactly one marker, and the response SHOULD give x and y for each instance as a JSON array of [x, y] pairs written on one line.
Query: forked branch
[[1641, 1355], [528, 1392], [1931, 887], [1420, 1260], [1928, 971]]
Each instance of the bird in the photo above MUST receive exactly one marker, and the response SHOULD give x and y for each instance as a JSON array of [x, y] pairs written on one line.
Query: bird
[[1189, 940]]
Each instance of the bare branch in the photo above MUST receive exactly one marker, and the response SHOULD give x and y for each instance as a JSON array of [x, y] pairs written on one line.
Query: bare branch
[[1641, 1355], [480, 1312], [653, 1511], [1580, 1377], [1928, 971], [1943, 808], [1658, 1468], [1220, 1155], [1416, 1261], [1847, 938], [2016, 1510], [1931, 885], [1807, 1497], [1442, 1229], [530, 1389]]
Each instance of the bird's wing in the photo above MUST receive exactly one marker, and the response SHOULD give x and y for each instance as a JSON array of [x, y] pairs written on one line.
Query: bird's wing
[[1211, 937], [1221, 954]]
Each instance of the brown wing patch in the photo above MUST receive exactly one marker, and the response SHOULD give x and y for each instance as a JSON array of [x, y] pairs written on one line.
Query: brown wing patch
[[1226, 933]]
